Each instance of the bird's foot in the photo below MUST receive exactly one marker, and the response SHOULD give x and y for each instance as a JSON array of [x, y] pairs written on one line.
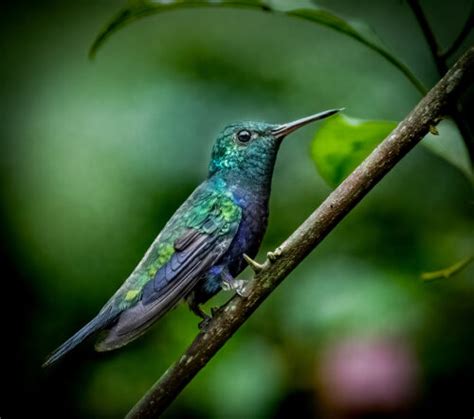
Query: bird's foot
[[273, 256], [238, 285], [254, 265], [216, 310], [204, 323], [206, 319]]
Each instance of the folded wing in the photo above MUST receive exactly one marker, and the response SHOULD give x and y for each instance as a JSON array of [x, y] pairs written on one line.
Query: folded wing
[[204, 239]]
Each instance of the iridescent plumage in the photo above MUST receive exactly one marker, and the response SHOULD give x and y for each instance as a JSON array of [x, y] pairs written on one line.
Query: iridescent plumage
[[201, 247]]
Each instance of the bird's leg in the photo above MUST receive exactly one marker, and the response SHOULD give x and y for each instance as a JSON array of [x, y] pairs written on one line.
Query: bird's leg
[[230, 283], [254, 265], [206, 319], [216, 310], [200, 313]]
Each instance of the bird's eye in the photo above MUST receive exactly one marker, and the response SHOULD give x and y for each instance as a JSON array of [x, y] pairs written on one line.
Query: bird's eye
[[244, 136]]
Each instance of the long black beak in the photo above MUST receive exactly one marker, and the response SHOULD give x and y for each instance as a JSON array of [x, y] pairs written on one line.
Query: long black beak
[[283, 130]]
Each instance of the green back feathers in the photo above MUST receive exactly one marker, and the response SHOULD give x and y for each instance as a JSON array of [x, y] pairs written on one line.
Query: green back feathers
[[209, 201]]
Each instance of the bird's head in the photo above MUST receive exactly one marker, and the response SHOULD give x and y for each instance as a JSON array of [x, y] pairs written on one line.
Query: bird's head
[[250, 148]]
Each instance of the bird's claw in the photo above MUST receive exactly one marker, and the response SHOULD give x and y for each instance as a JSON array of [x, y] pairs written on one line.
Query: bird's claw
[[206, 319], [204, 323], [241, 288], [237, 285], [215, 311], [273, 256], [254, 265]]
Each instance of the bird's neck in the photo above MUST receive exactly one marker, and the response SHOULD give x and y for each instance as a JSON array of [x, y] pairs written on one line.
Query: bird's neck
[[252, 175], [231, 181], [252, 178]]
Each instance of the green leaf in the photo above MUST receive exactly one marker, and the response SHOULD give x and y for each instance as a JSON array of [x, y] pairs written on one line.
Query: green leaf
[[343, 142], [137, 9], [449, 145]]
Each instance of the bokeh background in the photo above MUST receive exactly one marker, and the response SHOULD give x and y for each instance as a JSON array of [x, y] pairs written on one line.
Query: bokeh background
[[96, 155]]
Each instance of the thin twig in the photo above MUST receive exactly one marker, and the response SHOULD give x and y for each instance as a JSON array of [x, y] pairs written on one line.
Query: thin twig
[[456, 110], [466, 29], [447, 272], [320, 223], [429, 36]]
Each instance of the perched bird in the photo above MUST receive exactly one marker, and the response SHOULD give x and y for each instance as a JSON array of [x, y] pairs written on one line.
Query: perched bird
[[201, 249]]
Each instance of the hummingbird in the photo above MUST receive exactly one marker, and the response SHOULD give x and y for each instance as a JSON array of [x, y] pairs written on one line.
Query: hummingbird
[[205, 245]]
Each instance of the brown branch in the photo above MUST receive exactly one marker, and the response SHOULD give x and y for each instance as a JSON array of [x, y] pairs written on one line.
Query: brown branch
[[319, 224]]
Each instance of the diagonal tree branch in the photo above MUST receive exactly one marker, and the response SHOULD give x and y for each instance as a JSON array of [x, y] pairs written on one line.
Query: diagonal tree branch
[[319, 224]]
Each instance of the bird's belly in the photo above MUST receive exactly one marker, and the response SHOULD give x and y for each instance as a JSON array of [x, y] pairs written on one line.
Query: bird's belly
[[247, 240]]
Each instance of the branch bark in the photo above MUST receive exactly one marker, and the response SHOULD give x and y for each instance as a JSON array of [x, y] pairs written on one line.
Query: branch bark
[[320, 223]]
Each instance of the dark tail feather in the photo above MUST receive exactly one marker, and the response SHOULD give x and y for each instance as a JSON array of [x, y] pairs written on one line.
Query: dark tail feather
[[97, 323]]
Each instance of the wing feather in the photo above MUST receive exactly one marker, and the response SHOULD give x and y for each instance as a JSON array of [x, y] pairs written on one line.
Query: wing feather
[[197, 249]]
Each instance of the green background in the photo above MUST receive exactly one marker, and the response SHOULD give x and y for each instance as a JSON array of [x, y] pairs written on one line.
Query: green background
[[96, 156]]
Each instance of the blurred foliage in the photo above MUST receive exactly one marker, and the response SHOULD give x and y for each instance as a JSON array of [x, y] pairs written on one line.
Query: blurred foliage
[[136, 9], [343, 142], [450, 146], [95, 157], [448, 143]]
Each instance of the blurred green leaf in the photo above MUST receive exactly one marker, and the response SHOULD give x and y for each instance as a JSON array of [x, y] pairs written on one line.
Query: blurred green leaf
[[343, 142], [359, 31], [137, 9], [449, 145]]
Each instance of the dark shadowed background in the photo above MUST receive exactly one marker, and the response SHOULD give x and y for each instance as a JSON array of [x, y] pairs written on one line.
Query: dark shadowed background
[[96, 155]]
